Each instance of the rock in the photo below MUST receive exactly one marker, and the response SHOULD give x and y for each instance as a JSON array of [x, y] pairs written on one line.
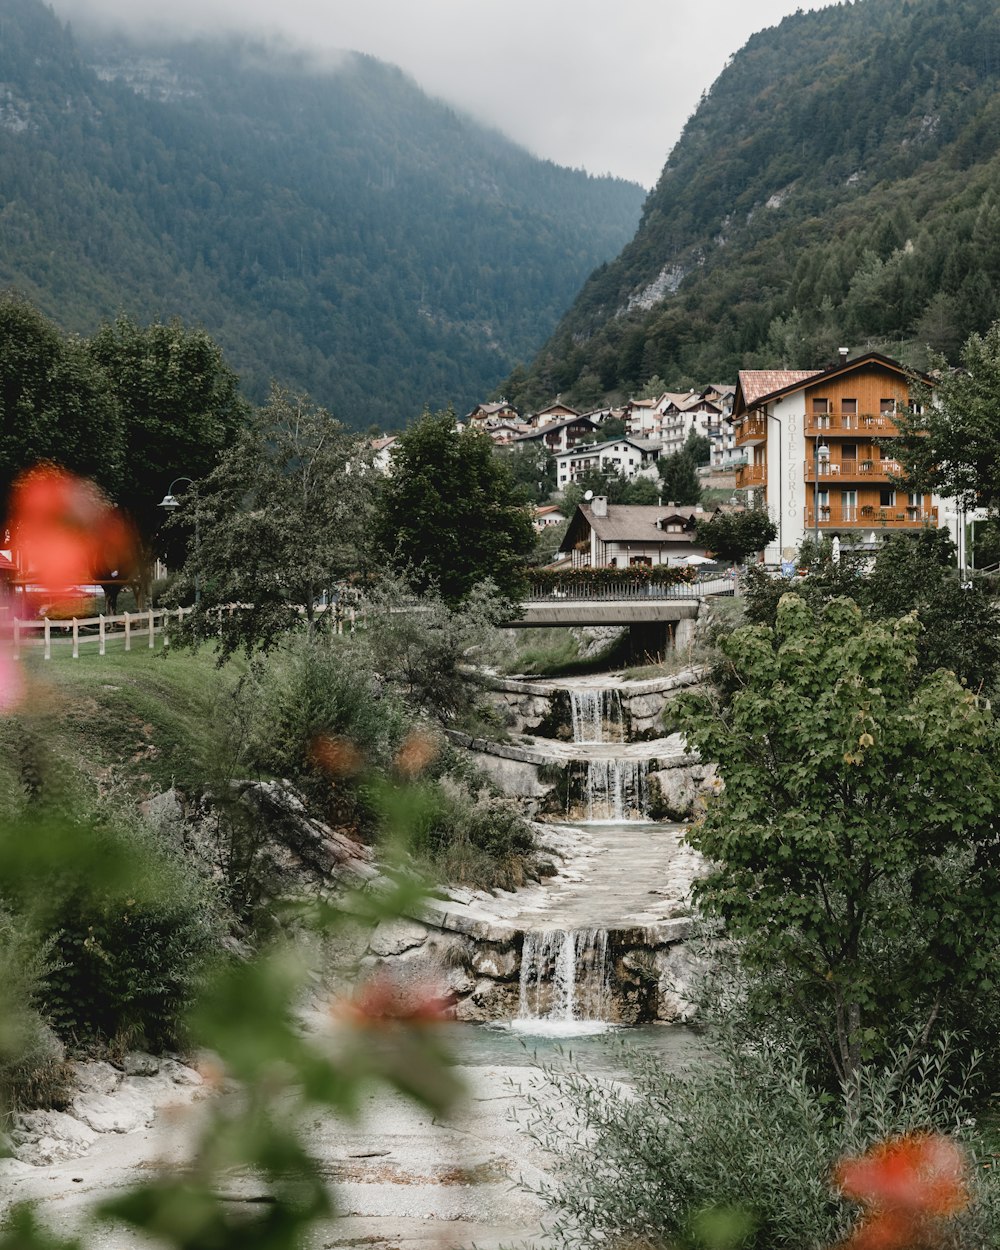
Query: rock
[[496, 963], [180, 1073], [163, 810], [489, 1000], [95, 1077], [127, 1109], [393, 937], [42, 1137], [678, 970], [138, 1063]]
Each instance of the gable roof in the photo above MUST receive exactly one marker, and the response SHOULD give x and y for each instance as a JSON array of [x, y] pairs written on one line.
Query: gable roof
[[768, 384], [632, 523], [553, 427], [644, 445]]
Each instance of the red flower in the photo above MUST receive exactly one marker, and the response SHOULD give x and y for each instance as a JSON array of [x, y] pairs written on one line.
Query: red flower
[[381, 1001], [905, 1184], [68, 533]]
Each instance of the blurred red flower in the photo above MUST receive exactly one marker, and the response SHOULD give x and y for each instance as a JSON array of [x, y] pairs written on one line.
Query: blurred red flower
[[381, 1001], [905, 1184], [67, 532]]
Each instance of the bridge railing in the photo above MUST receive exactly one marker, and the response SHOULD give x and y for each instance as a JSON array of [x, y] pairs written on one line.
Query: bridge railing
[[624, 589]]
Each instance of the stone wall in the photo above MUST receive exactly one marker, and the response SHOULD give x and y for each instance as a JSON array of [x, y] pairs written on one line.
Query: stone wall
[[478, 963]]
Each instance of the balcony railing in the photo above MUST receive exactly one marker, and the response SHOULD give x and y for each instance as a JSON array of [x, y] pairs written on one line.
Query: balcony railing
[[870, 517], [864, 470], [878, 424], [752, 429], [751, 475]]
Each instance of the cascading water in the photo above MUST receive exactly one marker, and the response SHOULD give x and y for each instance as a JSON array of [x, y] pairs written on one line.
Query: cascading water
[[596, 716], [615, 788], [564, 976]]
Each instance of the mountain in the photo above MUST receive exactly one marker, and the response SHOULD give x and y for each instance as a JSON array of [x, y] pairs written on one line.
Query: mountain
[[839, 185], [332, 226]]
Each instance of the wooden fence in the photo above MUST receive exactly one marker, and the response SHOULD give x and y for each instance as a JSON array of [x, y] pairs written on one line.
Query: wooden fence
[[141, 628]]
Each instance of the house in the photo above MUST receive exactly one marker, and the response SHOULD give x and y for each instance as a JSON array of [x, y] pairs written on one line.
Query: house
[[557, 411], [558, 435], [603, 535], [624, 456], [819, 449], [383, 449], [547, 516], [505, 432], [492, 414]]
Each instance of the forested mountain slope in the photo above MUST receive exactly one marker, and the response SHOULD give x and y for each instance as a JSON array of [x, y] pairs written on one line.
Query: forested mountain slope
[[333, 227], [839, 185]]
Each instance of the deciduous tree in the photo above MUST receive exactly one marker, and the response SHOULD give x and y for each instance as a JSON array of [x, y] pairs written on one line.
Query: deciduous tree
[[280, 520], [449, 516], [854, 847]]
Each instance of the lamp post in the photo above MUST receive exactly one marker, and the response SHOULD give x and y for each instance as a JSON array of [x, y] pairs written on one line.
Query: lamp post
[[171, 503], [820, 453]]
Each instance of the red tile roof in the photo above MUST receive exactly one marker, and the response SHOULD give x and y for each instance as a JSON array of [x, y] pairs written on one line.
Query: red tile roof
[[756, 383]]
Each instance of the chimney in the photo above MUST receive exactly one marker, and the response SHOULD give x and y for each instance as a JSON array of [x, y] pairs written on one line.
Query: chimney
[[842, 353], [599, 506]]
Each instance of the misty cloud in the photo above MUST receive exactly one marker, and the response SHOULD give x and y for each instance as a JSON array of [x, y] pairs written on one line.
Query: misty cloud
[[606, 87]]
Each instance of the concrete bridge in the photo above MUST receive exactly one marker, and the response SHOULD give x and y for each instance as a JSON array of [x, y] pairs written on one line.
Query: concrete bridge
[[554, 612]]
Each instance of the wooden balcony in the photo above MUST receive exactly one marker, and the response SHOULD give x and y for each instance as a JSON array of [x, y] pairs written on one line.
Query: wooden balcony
[[752, 429], [854, 470], [751, 475], [870, 517], [874, 425]]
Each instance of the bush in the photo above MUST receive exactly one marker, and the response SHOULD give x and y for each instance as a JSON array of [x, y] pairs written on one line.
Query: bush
[[745, 1131], [125, 928], [32, 1070]]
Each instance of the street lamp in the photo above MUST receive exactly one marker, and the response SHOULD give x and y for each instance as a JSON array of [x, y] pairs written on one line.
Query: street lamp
[[820, 453], [172, 503]]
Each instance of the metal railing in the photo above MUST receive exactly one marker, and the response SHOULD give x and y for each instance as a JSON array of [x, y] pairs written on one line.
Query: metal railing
[[576, 591]]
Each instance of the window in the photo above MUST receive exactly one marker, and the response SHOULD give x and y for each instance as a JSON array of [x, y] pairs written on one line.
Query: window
[[848, 408], [641, 560], [915, 499], [849, 451], [821, 413], [848, 505], [887, 406], [887, 498]]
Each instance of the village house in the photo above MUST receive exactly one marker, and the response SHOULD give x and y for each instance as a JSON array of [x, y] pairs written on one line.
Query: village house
[[558, 435], [819, 450], [603, 535], [627, 457], [547, 516], [492, 413], [557, 411]]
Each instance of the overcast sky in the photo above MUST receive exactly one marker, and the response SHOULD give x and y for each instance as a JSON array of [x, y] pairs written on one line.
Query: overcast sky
[[602, 84]]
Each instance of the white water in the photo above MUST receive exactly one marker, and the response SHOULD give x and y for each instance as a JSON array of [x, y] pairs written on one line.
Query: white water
[[615, 787], [596, 715], [564, 980]]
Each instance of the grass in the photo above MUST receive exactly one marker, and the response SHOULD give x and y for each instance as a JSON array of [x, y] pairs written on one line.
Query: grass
[[147, 719]]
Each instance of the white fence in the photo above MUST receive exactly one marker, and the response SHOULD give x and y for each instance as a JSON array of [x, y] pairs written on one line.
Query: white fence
[[140, 627]]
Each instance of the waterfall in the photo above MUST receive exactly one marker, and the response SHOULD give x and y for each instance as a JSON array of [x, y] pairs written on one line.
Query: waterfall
[[616, 789], [596, 715], [564, 975]]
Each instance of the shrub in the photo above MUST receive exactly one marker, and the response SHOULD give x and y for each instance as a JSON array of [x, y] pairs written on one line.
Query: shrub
[[32, 1069], [741, 1129], [126, 927]]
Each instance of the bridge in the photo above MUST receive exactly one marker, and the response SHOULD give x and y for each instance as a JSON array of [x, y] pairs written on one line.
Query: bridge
[[621, 605]]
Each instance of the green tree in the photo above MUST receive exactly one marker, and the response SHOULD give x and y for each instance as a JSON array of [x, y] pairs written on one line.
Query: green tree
[[959, 626], [279, 521], [532, 471], [179, 404], [449, 517], [54, 404], [680, 479], [953, 446], [736, 535], [853, 848], [698, 448]]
